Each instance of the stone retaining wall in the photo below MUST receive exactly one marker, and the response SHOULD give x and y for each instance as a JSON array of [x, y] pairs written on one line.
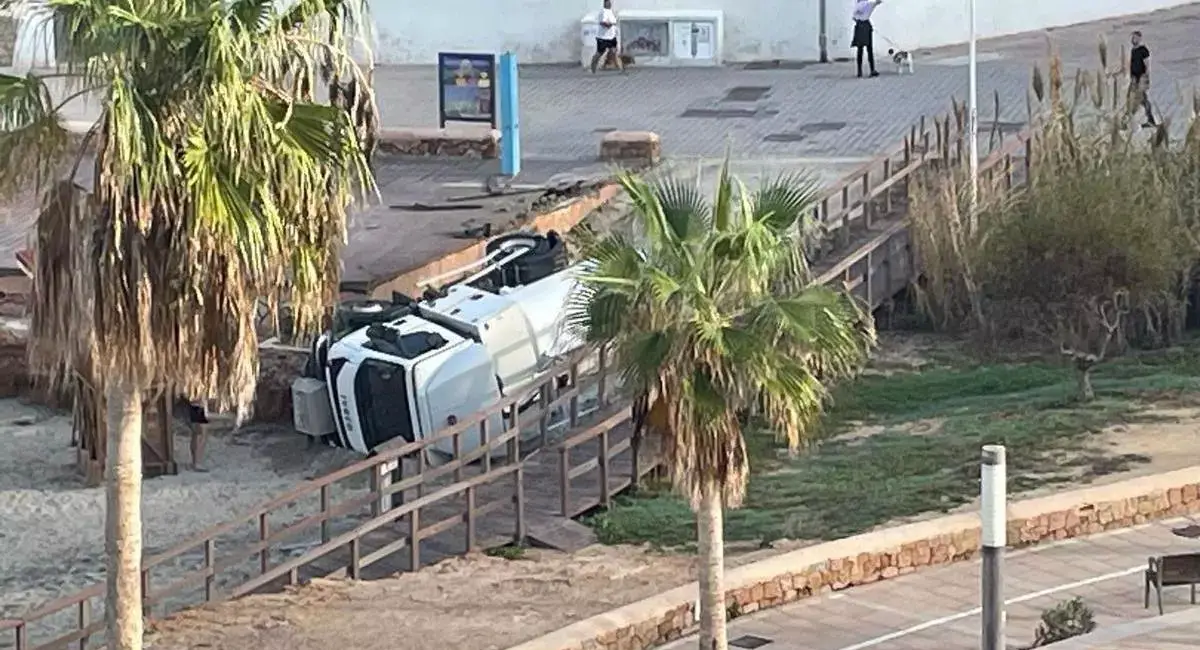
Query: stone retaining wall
[[277, 368], [637, 148], [881, 555], [455, 143], [14, 365]]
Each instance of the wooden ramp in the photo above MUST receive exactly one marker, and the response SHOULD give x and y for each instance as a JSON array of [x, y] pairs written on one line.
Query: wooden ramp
[[865, 250], [446, 530]]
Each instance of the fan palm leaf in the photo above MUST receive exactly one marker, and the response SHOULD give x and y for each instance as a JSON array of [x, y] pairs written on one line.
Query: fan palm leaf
[[208, 182], [710, 314]]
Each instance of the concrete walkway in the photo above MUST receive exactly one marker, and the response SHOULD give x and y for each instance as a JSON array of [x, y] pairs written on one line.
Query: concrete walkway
[[798, 111], [1175, 631], [938, 609], [811, 114], [796, 117]]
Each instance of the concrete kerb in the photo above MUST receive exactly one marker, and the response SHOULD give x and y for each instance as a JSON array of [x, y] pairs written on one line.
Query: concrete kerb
[[671, 614], [631, 147]]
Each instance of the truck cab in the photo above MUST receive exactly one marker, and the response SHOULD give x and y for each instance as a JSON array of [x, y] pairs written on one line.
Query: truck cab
[[428, 364], [405, 379]]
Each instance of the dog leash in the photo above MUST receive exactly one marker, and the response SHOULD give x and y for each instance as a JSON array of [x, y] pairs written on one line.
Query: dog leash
[[890, 42]]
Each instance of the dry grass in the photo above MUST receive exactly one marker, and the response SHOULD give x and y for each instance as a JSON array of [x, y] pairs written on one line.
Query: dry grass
[[1095, 250]]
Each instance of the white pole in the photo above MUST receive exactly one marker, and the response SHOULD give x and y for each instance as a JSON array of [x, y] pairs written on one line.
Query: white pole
[[994, 515], [973, 116]]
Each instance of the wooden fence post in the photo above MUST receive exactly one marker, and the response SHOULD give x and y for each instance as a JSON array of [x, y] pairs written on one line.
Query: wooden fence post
[[85, 618], [325, 513], [520, 501], [264, 554], [414, 539], [564, 480], [470, 518], [605, 497], [210, 560]]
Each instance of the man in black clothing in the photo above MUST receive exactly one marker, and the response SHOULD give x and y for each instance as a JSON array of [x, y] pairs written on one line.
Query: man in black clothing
[[1139, 76]]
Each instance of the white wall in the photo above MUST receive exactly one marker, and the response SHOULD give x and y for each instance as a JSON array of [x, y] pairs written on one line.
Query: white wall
[[538, 31], [757, 30], [547, 31], [916, 24]]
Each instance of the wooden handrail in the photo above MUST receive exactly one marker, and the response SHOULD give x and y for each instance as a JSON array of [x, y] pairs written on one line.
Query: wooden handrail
[[606, 452], [329, 511], [595, 430], [242, 552], [365, 465]]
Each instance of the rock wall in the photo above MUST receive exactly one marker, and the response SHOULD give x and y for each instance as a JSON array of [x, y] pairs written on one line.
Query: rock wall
[[452, 143], [882, 555], [273, 398], [8, 39], [14, 367]]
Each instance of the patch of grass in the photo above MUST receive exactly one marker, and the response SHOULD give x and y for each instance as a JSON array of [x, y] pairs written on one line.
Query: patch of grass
[[511, 552], [847, 485]]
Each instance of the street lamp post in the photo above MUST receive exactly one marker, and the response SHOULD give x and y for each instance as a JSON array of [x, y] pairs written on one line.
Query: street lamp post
[[973, 114]]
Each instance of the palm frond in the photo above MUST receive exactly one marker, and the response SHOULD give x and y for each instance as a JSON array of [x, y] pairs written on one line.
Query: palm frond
[[685, 210], [218, 184], [33, 140], [787, 202], [711, 315], [723, 201]]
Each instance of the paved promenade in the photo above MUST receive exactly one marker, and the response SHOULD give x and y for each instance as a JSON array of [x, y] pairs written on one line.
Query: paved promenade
[[806, 112], [938, 608]]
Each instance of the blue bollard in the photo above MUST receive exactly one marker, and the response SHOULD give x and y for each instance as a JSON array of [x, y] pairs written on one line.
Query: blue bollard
[[510, 123]]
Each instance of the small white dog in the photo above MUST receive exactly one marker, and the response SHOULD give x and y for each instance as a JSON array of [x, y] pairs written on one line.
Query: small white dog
[[903, 60]]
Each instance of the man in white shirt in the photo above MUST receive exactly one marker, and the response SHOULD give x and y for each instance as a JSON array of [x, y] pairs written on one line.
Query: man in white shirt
[[606, 38], [864, 33]]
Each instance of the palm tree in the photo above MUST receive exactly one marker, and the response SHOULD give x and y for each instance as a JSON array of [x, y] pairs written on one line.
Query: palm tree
[[216, 182], [711, 316]]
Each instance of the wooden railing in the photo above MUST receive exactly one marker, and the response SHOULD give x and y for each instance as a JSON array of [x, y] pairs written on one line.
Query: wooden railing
[[257, 557], [601, 460], [858, 269], [249, 553]]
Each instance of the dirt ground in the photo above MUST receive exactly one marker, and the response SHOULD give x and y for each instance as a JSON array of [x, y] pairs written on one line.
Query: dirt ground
[[472, 603], [489, 603]]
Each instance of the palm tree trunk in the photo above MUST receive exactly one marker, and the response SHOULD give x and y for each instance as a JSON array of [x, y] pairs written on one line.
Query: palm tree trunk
[[123, 522], [710, 521]]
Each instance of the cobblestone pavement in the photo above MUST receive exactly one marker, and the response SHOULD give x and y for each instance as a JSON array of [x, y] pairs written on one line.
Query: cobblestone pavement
[[938, 608], [807, 111]]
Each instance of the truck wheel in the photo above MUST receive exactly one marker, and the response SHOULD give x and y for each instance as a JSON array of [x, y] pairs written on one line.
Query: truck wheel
[[547, 254]]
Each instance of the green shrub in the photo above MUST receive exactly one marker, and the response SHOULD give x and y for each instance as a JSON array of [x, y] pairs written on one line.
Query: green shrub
[[1096, 248], [1063, 621]]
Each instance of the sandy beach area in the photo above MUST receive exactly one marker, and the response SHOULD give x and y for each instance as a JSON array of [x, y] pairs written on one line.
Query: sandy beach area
[[52, 527]]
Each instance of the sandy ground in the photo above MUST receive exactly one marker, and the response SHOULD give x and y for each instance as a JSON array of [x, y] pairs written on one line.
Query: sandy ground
[[52, 530], [486, 603], [472, 603]]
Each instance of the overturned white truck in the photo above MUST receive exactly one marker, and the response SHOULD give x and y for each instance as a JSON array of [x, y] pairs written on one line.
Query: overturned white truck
[[408, 368]]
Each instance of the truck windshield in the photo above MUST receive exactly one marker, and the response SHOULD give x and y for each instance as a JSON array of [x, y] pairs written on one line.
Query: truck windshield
[[381, 390]]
